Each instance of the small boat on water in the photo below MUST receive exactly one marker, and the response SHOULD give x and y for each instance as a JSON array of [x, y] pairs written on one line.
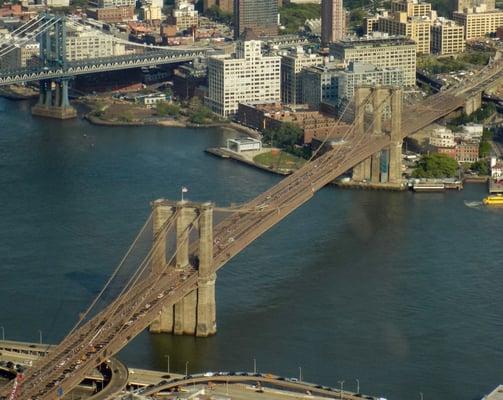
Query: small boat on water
[[495, 200]]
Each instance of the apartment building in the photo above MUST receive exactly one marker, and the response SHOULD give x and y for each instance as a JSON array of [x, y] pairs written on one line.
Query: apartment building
[[246, 77], [111, 14], [447, 37], [114, 3], [84, 44], [415, 28], [20, 57], [149, 12], [333, 85], [381, 51], [478, 23], [292, 65], [184, 16], [333, 21], [412, 8], [259, 16]]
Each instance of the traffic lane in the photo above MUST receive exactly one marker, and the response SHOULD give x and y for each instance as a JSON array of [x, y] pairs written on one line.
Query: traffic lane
[[276, 382]]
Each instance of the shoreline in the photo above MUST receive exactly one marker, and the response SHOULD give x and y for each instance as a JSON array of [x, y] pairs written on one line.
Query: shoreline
[[173, 123]]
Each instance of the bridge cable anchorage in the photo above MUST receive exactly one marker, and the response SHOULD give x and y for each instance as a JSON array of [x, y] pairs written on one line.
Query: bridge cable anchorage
[[148, 288]]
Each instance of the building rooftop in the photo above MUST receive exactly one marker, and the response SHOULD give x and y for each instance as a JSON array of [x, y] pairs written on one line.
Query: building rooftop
[[374, 41]]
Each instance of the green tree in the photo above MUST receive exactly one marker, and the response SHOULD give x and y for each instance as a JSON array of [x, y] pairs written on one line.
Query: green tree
[[293, 16], [484, 148], [436, 166], [481, 167], [164, 108], [201, 115], [285, 136]]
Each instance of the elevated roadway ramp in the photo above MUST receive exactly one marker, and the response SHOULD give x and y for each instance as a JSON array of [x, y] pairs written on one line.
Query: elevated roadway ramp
[[267, 380]]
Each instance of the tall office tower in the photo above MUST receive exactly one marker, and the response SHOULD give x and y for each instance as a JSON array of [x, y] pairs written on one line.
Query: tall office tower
[[260, 16], [333, 21]]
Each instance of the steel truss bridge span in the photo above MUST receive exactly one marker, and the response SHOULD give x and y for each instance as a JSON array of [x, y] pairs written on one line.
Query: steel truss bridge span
[[130, 313], [74, 68]]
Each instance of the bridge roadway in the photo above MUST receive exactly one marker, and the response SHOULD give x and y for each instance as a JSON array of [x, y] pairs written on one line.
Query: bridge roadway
[[131, 313], [263, 379], [73, 68]]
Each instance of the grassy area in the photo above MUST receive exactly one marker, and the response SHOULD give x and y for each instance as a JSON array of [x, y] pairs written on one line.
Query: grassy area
[[465, 61], [279, 160], [293, 16], [122, 112]]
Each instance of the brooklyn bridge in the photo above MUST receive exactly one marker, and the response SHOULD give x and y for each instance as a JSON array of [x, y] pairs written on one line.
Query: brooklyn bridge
[[166, 280]]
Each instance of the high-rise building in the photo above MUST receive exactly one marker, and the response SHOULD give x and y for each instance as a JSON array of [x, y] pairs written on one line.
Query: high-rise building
[[415, 28], [335, 86], [247, 77], [184, 16], [413, 8], [260, 16], [380, 51], [478, 23], [447, 37], [82, 44], [292, 65], [21, 56], [333, 21], [149, 12]]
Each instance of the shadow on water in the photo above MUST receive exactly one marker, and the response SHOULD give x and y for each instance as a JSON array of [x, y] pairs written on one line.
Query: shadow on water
[[400, 290]]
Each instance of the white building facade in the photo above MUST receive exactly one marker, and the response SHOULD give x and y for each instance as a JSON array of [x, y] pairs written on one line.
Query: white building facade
[[248, 77], [442, 137], [84, 44]]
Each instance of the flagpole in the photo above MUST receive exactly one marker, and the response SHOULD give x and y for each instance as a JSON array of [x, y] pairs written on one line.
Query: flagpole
[[182, 194]]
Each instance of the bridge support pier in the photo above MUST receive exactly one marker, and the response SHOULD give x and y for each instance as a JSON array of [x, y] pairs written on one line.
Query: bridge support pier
[[384, 166], [54, 105], [473, 103], [195, 314]]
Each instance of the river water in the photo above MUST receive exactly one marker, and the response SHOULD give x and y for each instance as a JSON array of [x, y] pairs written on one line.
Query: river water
[[402, 291]]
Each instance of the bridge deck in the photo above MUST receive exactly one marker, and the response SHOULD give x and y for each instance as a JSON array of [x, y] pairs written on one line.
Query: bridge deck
[[131, 313]]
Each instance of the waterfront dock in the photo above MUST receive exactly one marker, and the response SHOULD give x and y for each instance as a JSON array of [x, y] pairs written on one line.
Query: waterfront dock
[[495, 187], [395, 187], [247, 159]]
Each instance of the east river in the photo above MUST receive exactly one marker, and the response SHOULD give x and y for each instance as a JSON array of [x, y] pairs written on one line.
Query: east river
[[402, 291]]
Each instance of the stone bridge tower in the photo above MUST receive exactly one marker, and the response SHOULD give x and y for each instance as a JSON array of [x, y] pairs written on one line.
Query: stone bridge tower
[[380, 116], [195, 314]]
